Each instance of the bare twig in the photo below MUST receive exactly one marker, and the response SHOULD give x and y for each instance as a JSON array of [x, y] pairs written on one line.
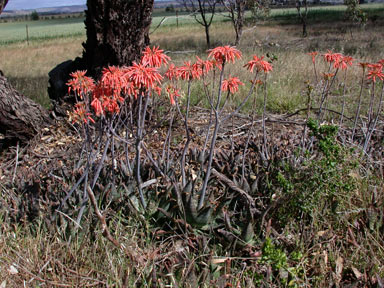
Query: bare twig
[[16, 162], [104, 226]]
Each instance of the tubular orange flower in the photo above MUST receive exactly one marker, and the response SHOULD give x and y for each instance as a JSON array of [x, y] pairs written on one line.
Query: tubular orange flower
[[142, 76], [259, 64], [375, 71], [217, 64], [343, 62], [154, 57], [224, 54], [80, 114], [157, 89], [110, 105], [189, 71], [331, 57], [204, 65], [113, 78], [364, 64], [328, 76], [231, 84], [97, 107], [172, 93], [80, 83], [313, 54], [172, 72]]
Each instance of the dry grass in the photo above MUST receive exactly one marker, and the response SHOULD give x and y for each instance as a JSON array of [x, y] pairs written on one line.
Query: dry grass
[[27, 66]]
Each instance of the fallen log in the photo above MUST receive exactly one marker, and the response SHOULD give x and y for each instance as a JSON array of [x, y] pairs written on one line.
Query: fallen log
[[20, 117]]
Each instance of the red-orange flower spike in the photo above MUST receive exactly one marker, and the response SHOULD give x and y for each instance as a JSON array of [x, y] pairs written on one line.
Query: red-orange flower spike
[[331, 57], [343, 62], [154, 57], [110, 105], [204, 65], [172, 93], [259, 64], [80, 83], [189, 71], [375, 71], [172, 72], [80, 114], [113, 78], [142, 76], [157, 90], [231, 84], [313, 54], [224, 54], [97, 107]]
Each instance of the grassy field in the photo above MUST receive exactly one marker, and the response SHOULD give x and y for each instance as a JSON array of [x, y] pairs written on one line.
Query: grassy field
[[54, 41], [42, 30]]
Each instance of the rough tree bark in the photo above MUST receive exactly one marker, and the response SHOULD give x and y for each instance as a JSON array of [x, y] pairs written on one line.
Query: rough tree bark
[[20, 117], [117, 32]]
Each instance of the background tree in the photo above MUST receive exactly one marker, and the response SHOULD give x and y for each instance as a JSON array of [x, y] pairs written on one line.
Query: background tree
[[35, 16], [236, 11], [303, 14], [354, 12], [203, 11]]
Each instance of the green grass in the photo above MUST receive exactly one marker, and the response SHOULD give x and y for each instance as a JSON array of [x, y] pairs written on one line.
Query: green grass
[[12, 32]]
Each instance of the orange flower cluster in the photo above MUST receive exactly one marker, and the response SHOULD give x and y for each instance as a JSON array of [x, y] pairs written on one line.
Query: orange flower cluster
[[80, 114], [80, 83], [259, 64], [107, 95], [224, 54], [338, 60], [375, 71], [154, 57], [231, 84]]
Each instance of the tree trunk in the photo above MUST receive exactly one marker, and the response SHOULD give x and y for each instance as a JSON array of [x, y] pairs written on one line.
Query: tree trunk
[[207, 38], [2, 5], [117, 32], [20, 117]]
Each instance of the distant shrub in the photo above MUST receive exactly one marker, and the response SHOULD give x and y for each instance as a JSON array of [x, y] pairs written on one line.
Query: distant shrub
[[170, 8], [35, 16]]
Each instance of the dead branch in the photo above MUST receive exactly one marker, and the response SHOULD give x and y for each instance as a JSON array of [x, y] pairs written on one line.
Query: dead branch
[[105, 230]]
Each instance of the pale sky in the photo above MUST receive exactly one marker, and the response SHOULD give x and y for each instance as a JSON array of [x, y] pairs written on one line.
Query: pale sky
[[34, 4]]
